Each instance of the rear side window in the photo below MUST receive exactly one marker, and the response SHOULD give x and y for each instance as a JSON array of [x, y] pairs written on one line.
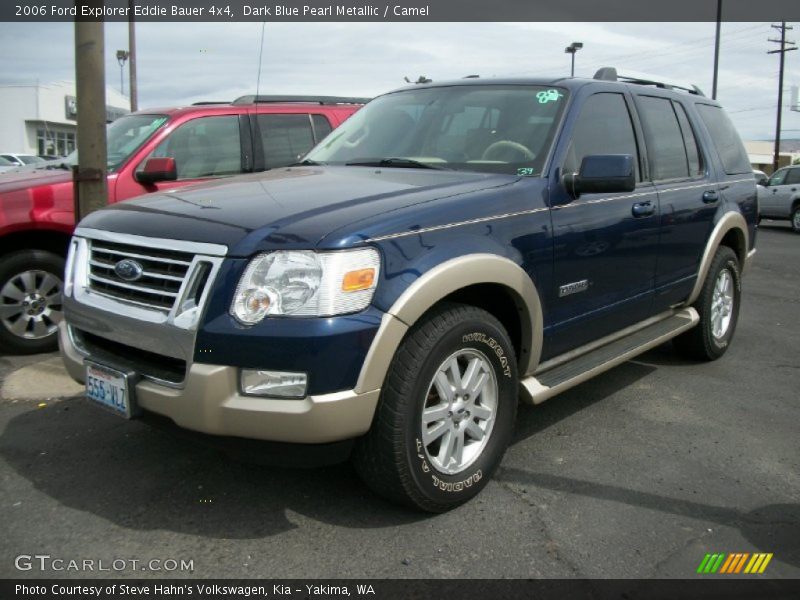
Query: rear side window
[[693, 155], [285, 138], [665, 141], [726, 140], [603, 127], [793, 176]]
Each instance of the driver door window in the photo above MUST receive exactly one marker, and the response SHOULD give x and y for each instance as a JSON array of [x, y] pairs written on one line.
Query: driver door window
[[204, 147], [603, 127]]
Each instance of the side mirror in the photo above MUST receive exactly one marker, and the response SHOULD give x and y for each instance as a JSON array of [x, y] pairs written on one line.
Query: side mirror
[[157, 169], [602, 174]]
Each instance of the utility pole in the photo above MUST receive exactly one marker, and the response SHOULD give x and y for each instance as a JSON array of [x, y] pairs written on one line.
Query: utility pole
[[786, 46], [89, 175], [132, 64], [716, 50]]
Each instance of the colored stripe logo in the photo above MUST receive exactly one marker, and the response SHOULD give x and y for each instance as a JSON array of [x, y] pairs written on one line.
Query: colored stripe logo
[[735, 563]]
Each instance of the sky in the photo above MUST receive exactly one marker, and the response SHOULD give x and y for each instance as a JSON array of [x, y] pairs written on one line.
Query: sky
[[180, 63]]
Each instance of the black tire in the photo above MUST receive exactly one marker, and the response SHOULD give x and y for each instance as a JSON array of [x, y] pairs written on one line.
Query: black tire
[[12, 266], [700, 342], [392, 459], [795, 219]]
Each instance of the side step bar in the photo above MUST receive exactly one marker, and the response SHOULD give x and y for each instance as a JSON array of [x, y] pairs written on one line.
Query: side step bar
[[562, 375]]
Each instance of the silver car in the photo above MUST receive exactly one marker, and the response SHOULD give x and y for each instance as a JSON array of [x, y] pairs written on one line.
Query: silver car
[[780, 198]]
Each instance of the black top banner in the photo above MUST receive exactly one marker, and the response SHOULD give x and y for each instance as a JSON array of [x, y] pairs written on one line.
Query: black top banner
[[398, 10]]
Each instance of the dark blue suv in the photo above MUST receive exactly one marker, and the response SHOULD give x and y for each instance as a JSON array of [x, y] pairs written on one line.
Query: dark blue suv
[[450, 249]]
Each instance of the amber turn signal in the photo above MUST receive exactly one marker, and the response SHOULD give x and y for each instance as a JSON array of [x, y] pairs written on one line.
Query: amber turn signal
[[358, 280]]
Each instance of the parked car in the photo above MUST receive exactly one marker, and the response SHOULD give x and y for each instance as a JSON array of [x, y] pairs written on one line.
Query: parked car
[[148, 151], [21, 160], [421, 270], [780, 198]]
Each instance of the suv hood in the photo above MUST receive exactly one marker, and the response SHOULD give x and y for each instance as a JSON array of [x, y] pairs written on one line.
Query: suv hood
[[288, 208]]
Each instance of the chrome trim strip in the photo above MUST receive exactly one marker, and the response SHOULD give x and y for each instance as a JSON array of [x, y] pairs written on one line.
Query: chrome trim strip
[[150, 242], [142, 256], [97, 263], [129, 286], [456, 224], [391, 236]]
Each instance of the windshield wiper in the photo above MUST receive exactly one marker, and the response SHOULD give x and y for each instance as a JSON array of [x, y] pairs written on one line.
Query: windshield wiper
[[308, 163], [396, 161]]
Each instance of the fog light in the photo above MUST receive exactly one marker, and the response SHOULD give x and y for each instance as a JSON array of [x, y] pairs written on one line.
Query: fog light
[[273, 383]]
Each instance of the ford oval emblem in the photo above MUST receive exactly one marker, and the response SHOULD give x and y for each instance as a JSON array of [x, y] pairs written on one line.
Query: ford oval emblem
[[128, 270]]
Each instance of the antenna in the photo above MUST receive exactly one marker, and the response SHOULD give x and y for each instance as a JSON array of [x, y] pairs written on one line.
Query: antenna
[[260, 54]]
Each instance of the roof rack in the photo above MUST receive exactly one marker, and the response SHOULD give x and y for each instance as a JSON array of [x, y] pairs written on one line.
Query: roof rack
[[611, 74], [252, 99], [207, 102]]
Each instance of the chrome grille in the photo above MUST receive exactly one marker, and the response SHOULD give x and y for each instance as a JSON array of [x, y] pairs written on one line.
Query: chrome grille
[[164, 272]]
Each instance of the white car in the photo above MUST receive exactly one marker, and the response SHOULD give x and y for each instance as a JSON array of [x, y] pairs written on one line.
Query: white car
[[20, 160], [779, 198]]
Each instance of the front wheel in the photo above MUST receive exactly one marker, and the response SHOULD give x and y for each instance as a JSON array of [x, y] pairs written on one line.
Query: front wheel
[[446, 413], [718, 307], [31, 282]]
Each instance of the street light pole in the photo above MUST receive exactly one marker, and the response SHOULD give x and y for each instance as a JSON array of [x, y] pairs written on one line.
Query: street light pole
[[716, 50], [572, 49], [134, 89], [122, 57]]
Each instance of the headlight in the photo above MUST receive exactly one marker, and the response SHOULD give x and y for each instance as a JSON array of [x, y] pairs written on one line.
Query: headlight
[[306, 284]]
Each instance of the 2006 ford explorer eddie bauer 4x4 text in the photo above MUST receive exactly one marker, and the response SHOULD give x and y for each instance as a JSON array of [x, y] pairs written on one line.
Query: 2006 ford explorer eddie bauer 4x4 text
[[449, 249]]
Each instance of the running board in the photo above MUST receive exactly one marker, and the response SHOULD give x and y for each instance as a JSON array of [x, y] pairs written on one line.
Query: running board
[[564, 375]]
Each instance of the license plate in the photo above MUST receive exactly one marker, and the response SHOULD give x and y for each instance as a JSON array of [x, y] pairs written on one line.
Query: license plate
[[110, 389]]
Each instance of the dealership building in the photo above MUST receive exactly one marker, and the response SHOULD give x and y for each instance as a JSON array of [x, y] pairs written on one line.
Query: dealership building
[[41, 119]]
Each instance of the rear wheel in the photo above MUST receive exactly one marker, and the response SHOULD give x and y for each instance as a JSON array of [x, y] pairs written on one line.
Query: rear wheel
[[718, 307], [796, 219], [446, 413], [31, 283]]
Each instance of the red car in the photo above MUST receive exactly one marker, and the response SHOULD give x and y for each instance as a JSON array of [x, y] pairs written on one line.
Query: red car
[[148, 151]]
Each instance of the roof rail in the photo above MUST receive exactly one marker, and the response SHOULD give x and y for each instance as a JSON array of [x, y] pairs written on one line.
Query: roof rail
[[252, 99], [611, 74], [207, 102]]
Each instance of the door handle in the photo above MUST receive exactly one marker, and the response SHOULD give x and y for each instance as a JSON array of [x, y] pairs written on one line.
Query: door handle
[[643, 209], [710, 196]]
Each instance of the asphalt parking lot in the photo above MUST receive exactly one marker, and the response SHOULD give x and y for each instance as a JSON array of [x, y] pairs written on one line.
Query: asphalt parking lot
[[638, 473]]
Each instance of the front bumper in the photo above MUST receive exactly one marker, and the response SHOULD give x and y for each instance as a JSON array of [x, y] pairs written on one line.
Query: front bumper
[[210, 402]]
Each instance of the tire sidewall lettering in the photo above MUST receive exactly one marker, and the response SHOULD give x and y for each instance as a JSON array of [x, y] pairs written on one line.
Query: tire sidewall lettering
[[442, 486]]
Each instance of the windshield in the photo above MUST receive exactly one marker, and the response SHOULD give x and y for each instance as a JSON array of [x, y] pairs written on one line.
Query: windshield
[[123, 137], [489, 128], [29, 159]]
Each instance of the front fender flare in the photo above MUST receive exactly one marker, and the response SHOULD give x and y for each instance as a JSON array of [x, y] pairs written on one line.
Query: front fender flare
[[438, 283]]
